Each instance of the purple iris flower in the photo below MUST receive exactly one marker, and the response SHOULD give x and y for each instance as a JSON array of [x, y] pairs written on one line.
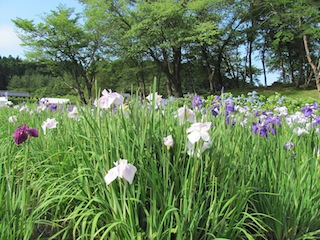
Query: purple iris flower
[[258, 113], [232, 122], [22, 133], [263, 129], [289, 145], [229, 106], [275, 120], [316, 121], [197, 102], [308, 110], [215, 110], [53, 107]]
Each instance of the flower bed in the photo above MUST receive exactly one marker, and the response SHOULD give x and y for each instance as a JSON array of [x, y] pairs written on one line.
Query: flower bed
[[192, 168]]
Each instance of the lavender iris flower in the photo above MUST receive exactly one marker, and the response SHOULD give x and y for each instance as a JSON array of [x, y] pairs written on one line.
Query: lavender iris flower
[[275, 120], [316, 121], [229, 106], [197, 102], [308, 110], [289, 145], [263, 128]]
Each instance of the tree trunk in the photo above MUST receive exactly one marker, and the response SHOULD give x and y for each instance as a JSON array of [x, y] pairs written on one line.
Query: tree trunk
[[291, 70], [313, 66], [168, 85], [176, 77], [283, 71], [172, 75], [217, 71], [209, 70], [250, 63], [264, 66]]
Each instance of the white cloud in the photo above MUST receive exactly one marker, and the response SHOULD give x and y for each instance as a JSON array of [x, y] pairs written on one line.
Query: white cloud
[[9, 42]]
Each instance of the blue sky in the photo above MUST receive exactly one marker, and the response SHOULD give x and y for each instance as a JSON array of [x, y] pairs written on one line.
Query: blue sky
[[34, 9], [28, 9]]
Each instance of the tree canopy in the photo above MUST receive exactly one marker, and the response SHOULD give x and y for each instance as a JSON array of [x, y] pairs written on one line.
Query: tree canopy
[[197, 46]]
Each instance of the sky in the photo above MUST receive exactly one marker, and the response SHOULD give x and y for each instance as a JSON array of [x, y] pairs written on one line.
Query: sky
[[25, 9], [33, 10]]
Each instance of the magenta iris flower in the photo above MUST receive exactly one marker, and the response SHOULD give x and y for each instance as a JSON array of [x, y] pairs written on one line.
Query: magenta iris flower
[[22, 134]]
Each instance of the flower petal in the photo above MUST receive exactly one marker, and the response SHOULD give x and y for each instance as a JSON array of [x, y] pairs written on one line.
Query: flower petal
[[32, 132], [129, 172], [194, 137], [205, 136], [112, 174]]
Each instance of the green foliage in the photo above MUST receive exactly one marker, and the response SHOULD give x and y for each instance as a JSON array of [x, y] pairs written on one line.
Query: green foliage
[[192, 46], [65, 46]]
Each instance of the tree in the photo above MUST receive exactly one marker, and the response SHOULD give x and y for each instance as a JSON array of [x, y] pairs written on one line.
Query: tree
[[9, 67], [294, 37], [156, 30], [63, 43]]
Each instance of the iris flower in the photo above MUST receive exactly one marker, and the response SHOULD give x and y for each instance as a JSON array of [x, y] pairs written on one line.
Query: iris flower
[[168, 141], [157, 98], [197, 102], [49, 123], [199, 131], [22, 134], [191, 148], [186, 114], [74, 114], [289, 145], [109, 98], [12, 119], [263, 128], [122, 169]]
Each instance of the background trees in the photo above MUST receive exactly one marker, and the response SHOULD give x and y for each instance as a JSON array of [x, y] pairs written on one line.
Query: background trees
[[66, 46], [190, 46]]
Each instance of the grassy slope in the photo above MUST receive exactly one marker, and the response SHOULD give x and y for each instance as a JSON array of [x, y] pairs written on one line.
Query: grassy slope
[[288, 91]]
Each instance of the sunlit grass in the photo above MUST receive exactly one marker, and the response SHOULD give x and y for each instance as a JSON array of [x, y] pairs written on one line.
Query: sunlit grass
[[289, 91]]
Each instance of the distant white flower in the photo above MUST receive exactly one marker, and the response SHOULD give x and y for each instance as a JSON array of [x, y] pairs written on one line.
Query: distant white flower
[[168, 141], [240, 109], [186, 114], [300, 131], [122, 169], [12, 119], [296, 118], [109, 98], [157, 98], [244, 122], [283, 111], [41, 107], [191, 148], [24, 108], [199, 131], [74, 114], [49, 123]]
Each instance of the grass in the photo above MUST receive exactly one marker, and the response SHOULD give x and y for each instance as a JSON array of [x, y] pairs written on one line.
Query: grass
[[286, 90], [243, 187]]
